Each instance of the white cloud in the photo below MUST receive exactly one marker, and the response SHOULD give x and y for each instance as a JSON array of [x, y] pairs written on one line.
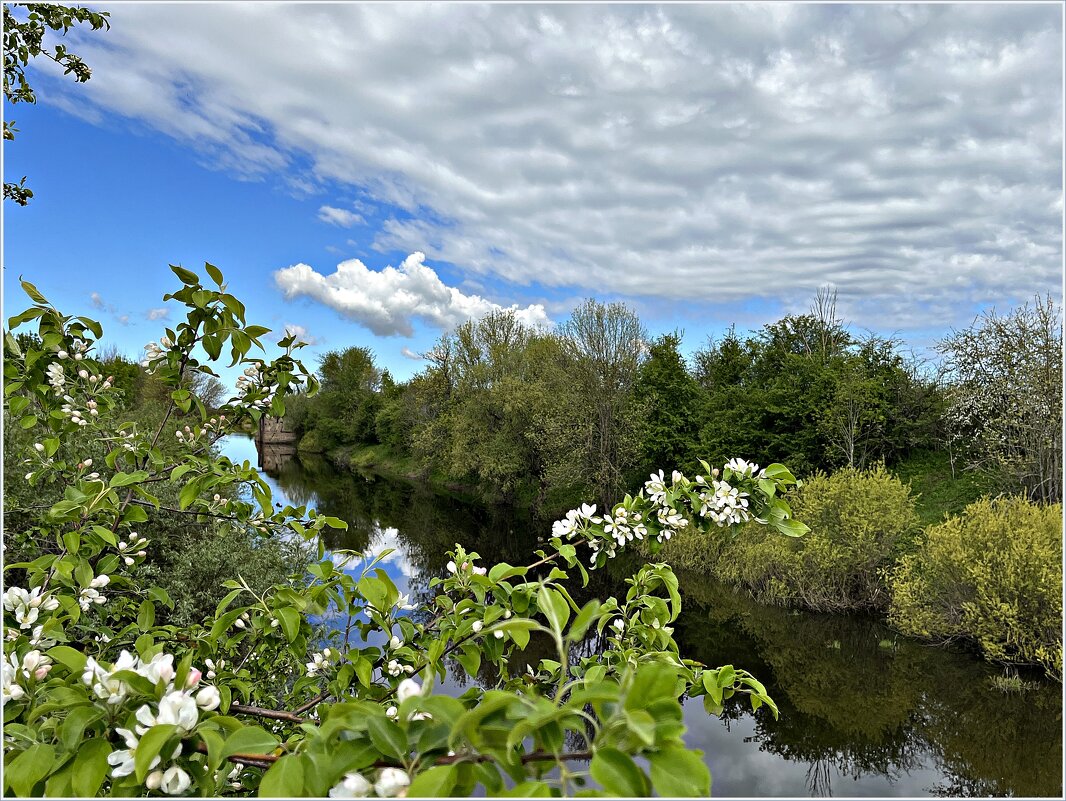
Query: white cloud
[[387, 301], [340, 217], [301, 333], [407, 353], [97, 301], [910, 155], [157, 314]]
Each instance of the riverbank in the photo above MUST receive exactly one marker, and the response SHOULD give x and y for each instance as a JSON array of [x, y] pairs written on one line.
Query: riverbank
[[383, 461]]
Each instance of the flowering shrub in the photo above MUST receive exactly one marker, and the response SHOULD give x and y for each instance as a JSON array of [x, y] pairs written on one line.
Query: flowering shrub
[[259, 698]]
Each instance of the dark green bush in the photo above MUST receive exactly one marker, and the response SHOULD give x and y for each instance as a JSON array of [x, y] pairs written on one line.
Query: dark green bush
[[992, 575]]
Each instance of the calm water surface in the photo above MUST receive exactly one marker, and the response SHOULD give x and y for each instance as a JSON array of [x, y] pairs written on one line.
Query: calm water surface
[[863, 713]]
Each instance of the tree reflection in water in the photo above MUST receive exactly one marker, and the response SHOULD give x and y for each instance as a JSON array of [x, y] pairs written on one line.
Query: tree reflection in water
[[856, 701]]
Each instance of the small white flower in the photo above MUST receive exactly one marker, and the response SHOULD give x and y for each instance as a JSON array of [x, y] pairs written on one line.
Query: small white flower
[[175, 781], [477, 626], [353, 785], [391, 781], [176, 707], [408, 688], [451, 567], [208, 698]]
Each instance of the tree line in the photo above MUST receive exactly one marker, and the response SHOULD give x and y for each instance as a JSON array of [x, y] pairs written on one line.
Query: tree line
[[589, 408]]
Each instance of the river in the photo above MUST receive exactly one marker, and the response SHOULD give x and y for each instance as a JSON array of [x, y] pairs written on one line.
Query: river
[[863, 712]]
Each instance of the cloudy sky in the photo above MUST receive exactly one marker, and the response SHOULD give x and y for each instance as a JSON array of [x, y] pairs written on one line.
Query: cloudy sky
[[374, 174]]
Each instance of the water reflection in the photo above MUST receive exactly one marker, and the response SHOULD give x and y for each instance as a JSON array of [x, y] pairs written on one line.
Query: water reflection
[[862, 712]]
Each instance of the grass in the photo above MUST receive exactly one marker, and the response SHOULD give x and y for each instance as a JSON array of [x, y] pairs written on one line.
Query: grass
[[939, 492]]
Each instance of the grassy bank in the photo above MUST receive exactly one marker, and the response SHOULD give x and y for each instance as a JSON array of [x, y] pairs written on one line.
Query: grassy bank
[[938, 488]]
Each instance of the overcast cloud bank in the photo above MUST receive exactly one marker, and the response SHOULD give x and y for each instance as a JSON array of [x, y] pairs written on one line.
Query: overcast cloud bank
[[908, 155]]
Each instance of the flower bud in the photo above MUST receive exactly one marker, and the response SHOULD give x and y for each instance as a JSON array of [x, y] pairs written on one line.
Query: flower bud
[[155, 778]]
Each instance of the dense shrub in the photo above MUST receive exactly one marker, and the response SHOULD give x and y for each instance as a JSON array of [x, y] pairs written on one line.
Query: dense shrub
[[858, 520], [992, 575]]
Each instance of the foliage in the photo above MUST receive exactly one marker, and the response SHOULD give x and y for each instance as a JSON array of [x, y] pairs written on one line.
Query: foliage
[[858, 520], [343, 411], [100, 696], [24, 40], [671, 402], [805, 391], [993, 575], [1004, 376]]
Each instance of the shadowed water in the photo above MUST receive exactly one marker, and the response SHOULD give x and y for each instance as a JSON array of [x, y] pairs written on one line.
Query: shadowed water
[[863, 712]]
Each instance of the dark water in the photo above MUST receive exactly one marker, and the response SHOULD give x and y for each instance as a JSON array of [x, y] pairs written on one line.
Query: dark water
[[863, 713]]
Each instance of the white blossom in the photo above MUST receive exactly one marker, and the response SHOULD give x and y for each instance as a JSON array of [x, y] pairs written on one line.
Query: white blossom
[[208, 698], [391, 781], [176, 707], [408, 688], [353, 785], [175, 781]]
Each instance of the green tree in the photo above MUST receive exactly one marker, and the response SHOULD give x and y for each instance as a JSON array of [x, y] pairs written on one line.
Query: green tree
[[24, 40], [671, 402], [605, 345], [346, 407]]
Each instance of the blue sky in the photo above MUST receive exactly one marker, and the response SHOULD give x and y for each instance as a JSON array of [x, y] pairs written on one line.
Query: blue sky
[[706, 164]]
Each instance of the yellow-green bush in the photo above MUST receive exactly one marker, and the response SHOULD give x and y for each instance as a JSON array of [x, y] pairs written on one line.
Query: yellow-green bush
[[993, 575], [857, 519]]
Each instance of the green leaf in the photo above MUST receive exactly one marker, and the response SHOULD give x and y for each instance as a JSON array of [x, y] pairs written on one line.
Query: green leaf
[[33, 292], [285, 779], [90, 767], [387, 737], [247, 740], [125, 479], [186, 276], [554, 607], [790, 528], [529, 789], [584, 619], [216, 276], [290, 622], [149, 746], [146, 615], [679, 773], [726, 676], [73, 727], [433, 783], [653, 682], [68, 657], [641, 724], [29, 767], [618, 774]]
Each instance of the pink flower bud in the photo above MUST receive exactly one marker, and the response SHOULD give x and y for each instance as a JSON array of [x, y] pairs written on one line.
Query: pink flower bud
[[193, 678]]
